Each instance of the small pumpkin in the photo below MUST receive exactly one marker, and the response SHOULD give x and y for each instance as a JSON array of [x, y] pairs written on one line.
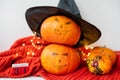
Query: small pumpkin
[[101, 60], [60, 29], [59, 59], [105, 51]]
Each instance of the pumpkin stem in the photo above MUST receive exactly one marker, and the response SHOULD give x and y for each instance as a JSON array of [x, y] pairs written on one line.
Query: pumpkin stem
[[102, 49]]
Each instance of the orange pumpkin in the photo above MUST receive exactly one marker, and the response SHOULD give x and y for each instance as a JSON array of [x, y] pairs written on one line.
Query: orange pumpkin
[[59, 59], [105, 51], [60, 29], [101, 60]]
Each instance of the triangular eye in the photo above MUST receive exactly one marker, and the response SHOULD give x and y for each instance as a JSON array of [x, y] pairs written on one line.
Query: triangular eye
[[65, 54], [54, 54], [68, 23]]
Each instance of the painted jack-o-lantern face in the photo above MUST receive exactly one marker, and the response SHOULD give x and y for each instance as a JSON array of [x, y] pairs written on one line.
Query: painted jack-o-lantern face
[[60, 29], [59, 59]]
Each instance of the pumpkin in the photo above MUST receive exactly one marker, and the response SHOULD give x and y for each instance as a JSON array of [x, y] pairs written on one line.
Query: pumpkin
[[101, 60], [60, 29], [105, 51], [59, 59]]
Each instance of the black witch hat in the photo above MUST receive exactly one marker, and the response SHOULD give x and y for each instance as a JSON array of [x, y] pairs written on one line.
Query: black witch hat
[[36, 15]]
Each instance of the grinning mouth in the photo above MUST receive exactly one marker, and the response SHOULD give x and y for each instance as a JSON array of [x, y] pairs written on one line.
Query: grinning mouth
[[60, 66]]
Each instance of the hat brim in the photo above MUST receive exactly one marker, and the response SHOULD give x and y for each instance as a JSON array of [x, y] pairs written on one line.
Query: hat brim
[[36, 15]]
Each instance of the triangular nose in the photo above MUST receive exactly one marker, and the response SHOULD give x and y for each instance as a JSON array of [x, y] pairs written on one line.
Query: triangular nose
[[59, 61]]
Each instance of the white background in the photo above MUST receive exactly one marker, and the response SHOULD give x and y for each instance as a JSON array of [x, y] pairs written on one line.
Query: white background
[[105, 14]]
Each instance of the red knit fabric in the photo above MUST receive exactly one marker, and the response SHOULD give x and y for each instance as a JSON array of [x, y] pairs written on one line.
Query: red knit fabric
[[28, 50]]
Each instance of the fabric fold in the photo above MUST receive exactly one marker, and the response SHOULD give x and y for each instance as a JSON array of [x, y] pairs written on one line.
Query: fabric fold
[[30, 54]]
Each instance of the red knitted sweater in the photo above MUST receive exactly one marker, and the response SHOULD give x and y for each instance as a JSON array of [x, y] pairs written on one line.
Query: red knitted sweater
[[23, 60]]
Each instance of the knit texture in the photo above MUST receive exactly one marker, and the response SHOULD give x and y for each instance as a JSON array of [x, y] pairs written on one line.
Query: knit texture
[[28, 50]]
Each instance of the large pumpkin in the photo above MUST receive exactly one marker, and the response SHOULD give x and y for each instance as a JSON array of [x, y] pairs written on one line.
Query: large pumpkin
[[60, 29], [101, 60], [59, 59]]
